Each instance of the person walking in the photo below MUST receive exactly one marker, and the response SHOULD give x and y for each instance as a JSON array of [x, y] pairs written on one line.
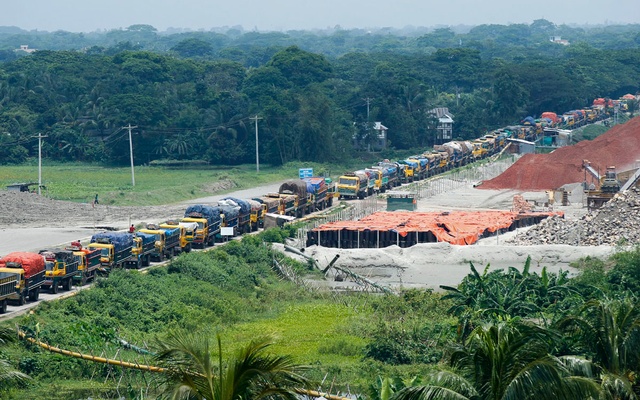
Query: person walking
[[95, 200]]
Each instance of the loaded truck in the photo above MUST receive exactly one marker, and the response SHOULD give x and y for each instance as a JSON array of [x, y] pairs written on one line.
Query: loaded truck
[[8, 283], [142, 250], [115, 249], [88, 262], [208, 220], [257, 217], [28, 268], [353, 185], [270, 205], [317, 194], [244, 212], [166, 241], [295, 197], [187, 233], [61, 266], [229, 215]]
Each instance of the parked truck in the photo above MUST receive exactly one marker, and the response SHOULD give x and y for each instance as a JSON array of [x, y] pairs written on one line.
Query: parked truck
[[208, 220], [317, 194], [142, 250], [270, 205], [28, 268], [88, 262], [60, 268], [244, 212], [354, 185], [390, 170], [115, 249], [298, 189], [166, 241], [230, 217], [8, 283], [187, 233]]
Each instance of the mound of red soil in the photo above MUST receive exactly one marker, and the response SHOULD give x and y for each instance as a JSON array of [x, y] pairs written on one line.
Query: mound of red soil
[[619, 147]]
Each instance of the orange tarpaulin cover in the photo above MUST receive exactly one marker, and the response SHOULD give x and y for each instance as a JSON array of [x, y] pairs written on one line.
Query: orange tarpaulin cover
[[459, 227]]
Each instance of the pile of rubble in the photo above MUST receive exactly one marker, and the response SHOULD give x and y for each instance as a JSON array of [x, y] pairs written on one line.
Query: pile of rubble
[[616, 223]]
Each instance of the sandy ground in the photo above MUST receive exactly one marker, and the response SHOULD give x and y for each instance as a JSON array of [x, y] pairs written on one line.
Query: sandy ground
[[30, 223]]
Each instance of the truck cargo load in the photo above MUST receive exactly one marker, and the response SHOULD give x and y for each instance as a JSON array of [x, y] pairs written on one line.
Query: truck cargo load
[[210, 213], [298, 187], [245, 206], [119, 240], [32, 263], [315, 185]]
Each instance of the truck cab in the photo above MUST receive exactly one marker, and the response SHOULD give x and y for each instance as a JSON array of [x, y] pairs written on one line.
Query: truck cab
[[107, 252], [88, 262], [187, 233], [200, 233], [349, 185], [160, 250]]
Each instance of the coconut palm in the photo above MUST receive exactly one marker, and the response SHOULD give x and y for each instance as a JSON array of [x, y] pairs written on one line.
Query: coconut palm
[[195, 372], [9, 377], [505, 361], [610, 330]]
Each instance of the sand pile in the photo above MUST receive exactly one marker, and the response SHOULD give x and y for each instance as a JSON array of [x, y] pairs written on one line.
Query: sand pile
[[619, 147], [616, 223]]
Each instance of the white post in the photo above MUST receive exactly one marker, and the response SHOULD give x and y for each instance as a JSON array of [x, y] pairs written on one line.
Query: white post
[[255, 119], [133, 177], [40, 137]]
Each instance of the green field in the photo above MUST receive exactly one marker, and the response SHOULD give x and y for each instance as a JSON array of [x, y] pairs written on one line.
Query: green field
[[153, 185]]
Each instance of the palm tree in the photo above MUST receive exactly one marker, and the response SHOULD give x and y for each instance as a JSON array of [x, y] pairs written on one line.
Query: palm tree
[[505, 361], [9, 377], [610, 330], [195, 372]]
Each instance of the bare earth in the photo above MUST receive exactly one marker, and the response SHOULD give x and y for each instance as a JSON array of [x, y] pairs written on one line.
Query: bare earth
[[30, 223]]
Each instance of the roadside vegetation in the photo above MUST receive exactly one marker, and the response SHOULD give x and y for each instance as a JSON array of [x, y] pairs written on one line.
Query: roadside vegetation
[[578, 335]]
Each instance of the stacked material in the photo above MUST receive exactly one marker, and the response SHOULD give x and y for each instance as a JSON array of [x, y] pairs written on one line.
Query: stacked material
[[620, 147], [616, 223], [406, 229], [521, 205], [294, 186], [32, 263]]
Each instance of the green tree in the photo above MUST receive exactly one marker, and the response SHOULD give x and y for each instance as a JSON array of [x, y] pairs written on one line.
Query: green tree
[[196, 372], [610, 331], [505, 361]]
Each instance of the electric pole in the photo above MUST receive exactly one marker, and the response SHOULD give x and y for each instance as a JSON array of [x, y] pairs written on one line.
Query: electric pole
[[40, 137], [133, 177], [256, 118]]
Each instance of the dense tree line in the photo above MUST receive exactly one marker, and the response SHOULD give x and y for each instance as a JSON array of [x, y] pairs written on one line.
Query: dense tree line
[[193, 100]]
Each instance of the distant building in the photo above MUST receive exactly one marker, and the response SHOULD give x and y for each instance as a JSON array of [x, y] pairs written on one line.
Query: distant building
[[445, 124], [559, 40], [376, 140], [25, 48]]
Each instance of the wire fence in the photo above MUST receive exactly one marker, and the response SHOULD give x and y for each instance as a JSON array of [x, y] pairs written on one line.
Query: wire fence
[[444, 183]]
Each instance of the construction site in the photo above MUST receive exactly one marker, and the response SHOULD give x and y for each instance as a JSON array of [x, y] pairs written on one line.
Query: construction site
[[577, 201]]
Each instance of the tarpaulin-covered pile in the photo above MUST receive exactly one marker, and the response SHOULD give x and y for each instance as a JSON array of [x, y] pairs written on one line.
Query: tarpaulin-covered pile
[[272, 203], [315, 185], [230, 213], [210, 213], [65, 256], [255, 205], [383, 229], [294, 186], [120, 240], [148, 237], [32, 263], [171, 232], [245, 207]]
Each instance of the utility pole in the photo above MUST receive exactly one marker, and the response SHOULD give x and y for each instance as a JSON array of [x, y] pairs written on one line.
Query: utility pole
[[255, 119], [40, 137], [133, 177]]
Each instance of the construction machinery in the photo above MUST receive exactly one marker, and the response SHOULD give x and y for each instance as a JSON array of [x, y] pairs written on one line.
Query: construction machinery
[[608, 185]]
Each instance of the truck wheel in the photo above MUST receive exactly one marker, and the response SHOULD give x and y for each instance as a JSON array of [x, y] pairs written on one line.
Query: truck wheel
[[139, 263], [54, 287], [161, 257], [84, 280], [3, 306], [22, 300], [147, 260], [188, 248], [34, 294], [68, 284]]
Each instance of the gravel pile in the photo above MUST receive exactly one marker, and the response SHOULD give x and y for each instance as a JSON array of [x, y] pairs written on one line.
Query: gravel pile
[[616, 223]]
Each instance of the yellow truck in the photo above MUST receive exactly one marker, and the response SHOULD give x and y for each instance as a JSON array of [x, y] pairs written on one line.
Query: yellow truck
[[167, 241], [61, 266], [187, 233]]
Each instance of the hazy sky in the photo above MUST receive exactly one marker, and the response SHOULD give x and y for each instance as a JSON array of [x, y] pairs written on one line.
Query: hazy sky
[[91, 15]]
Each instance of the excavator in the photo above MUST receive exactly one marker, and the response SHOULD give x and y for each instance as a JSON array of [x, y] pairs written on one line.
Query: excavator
[[608, 183]]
